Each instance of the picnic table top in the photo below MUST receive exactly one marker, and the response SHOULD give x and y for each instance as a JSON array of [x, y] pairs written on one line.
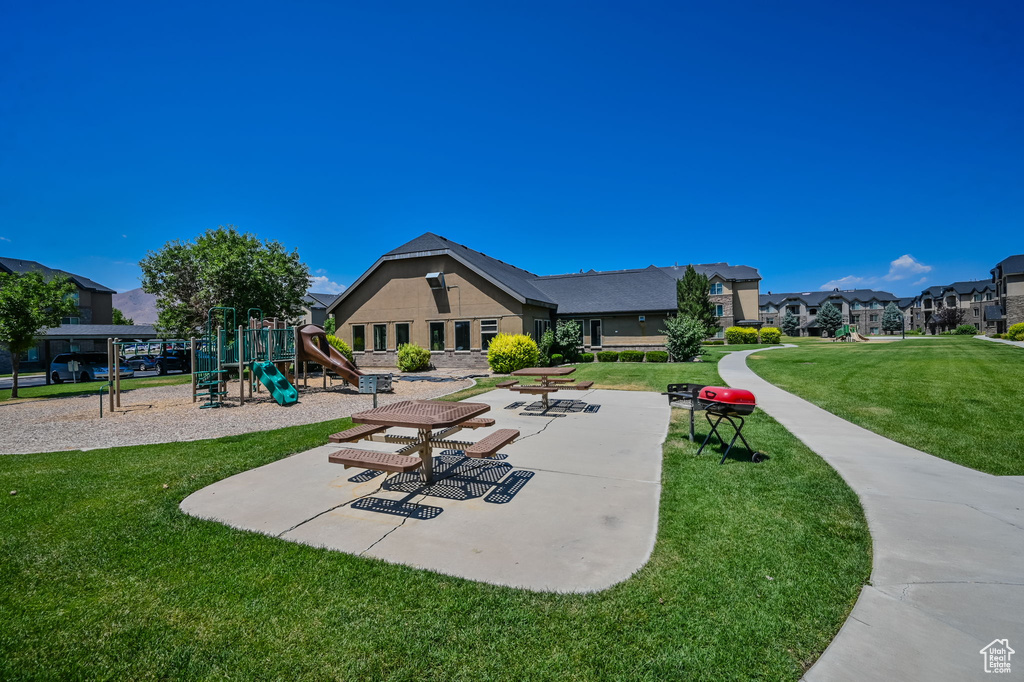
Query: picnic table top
[[543, 371], [421, 414]]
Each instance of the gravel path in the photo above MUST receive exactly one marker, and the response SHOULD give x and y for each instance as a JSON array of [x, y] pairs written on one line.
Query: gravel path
[[167, 414]]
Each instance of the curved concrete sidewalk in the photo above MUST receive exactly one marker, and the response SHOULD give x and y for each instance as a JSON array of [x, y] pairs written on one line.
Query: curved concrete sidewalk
[[1019, 344], [948, 571]]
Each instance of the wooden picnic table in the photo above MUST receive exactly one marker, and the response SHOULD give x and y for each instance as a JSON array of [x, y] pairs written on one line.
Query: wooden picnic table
[[424, 416]]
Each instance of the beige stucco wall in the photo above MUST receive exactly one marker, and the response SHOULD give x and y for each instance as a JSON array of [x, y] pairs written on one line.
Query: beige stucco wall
[[624, 330], [397, 292], [745, 296]]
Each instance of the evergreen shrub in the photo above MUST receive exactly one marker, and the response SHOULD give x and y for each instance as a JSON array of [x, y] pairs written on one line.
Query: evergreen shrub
[[509, 352], [631, 356], [770, 335], [586, 357], [607, 356], [657, 356], [413, 358]]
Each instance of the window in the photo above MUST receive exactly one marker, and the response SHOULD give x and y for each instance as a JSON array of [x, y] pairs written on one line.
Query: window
[[401, 334], [539, 327], [380, 337], [813, 311], [873, 318], [988, 296], [856, 305], [75, 347], [720, 334], [595, 332], [771, 320], [715, 289], [874, 330], [31, 355], [462, 335], [70, 320], [975, 312], [795, 309], [358, 338], [437, 336], [977, 297], [72, 297], [719, 310], [488, 330]]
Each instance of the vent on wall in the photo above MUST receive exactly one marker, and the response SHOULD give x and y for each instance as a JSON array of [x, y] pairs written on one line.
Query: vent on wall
[[435, 280]]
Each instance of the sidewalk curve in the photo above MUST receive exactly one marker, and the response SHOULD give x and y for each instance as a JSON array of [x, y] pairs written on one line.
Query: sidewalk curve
[[948, 566], [1019, 344]]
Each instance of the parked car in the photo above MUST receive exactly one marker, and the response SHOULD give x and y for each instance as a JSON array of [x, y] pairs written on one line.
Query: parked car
[[141, 363], [172, 361], [91, 366]]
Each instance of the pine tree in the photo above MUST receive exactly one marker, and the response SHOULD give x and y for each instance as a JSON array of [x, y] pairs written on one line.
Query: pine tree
[[892, 318], [830, 318], [693, 298], [790, 324]]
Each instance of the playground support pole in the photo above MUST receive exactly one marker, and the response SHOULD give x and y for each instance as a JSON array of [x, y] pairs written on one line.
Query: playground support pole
[[240, 348], [221, 384], [117, 373], [110, 365], [192, 364]]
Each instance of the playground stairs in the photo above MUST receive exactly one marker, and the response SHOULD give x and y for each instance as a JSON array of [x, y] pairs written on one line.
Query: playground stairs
[[208, 384]]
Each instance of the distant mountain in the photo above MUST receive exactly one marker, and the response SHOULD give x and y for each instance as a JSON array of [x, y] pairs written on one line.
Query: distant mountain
[[137, 306]]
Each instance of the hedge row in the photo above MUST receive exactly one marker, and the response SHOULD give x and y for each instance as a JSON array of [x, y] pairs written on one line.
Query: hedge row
[[625, 356]]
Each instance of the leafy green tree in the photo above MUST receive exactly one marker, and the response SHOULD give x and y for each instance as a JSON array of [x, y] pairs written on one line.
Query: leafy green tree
[[223, 267], [790, 324], [693, 299], [330, 325], [892, 318], [119, 318], [29, 304], [683, 337], [830, 318], [568, 340]]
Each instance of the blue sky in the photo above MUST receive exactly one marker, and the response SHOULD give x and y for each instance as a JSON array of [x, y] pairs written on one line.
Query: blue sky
[[872, 144]]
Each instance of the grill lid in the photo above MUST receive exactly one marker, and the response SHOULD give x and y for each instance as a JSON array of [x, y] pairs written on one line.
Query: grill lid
[[727, 396]]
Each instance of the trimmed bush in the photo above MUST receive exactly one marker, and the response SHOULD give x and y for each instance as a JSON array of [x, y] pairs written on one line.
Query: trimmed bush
[[713, 342], [557, 359], [914, 332], [683, 336], [657, 356], [771, 335], [586, 357], [412, 358], [631, 356], [607, 356], [738, 335], [1015, 332], [340, 346], [966, 329], [509, 352]]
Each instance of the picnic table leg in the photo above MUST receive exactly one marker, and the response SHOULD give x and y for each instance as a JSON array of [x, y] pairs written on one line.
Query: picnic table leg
[[426, 456]]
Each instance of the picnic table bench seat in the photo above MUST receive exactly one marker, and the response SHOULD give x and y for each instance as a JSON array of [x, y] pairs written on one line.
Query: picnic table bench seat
[[489, 446], [477, 423], [378, 461], [356, 433], [560, 380], [582, 386], [506, 384], [535, 390]]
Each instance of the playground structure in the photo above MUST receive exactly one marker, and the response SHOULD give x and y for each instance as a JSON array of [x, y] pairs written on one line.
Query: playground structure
[[268, 349], [848, 332]]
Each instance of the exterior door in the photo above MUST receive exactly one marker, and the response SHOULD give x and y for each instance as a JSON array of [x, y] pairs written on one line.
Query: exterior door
[[595, 332]]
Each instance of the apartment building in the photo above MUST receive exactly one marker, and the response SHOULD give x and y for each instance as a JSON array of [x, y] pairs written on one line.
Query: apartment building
[[861, 307], [972, 297]]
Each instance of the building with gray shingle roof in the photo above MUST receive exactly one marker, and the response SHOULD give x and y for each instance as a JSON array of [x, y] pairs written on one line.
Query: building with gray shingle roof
[[1008, 280], [860, 307]]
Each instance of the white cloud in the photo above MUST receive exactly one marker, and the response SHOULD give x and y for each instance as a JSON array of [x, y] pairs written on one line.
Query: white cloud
[[4, 239], [848, 282], [320, 271], [921, 281], [906, 266], [323, 285], [124, 236]]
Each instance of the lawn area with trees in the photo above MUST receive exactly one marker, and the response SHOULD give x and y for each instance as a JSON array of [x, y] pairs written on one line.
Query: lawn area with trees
[[953, 397], [755, 568]]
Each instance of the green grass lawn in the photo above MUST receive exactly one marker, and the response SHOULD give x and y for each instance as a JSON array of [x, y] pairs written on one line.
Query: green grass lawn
[[93, 387], [954, 397], [755, 568]]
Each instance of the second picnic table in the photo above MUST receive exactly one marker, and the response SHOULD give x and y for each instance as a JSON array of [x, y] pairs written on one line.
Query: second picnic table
[[550, 381]]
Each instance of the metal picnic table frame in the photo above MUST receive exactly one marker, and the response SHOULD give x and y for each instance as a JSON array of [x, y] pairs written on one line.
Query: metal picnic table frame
[[544, 374], [425, 416]]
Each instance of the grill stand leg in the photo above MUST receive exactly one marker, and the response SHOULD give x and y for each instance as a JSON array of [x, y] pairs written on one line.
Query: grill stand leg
[[737, 435]]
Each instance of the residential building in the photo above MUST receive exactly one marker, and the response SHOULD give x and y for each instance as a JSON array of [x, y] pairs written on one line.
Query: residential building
[[314, 308], [95, 307], [453, 300], [970, 296], [1007, 309], [861, 307]]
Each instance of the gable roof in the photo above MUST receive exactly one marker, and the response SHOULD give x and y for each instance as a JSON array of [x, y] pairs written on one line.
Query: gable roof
[[738, 273], [318, 301], [817, 298], [16, 265], [615, 291], [514, 281], [966, 287], [1014, 265]]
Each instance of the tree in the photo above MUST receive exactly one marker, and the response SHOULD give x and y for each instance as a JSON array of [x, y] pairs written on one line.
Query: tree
[[892, 318], [119, 318], [330, 325], [830, 318], [28, 304], [223, 267], [949, 317], [568, 339], [693, 298], [790, 324], [683, 337]]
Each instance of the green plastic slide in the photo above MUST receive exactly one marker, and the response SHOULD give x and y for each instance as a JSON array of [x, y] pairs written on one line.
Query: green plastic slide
[[280, 388]]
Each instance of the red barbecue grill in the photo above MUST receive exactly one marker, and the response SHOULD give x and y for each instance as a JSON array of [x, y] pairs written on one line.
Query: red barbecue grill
[[719, 403]]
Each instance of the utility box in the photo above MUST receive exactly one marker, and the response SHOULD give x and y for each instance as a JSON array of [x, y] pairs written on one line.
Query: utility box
[[375, 383]]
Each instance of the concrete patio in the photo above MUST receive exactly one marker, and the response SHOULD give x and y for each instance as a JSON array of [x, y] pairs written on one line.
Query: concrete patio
[[572, 506]]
